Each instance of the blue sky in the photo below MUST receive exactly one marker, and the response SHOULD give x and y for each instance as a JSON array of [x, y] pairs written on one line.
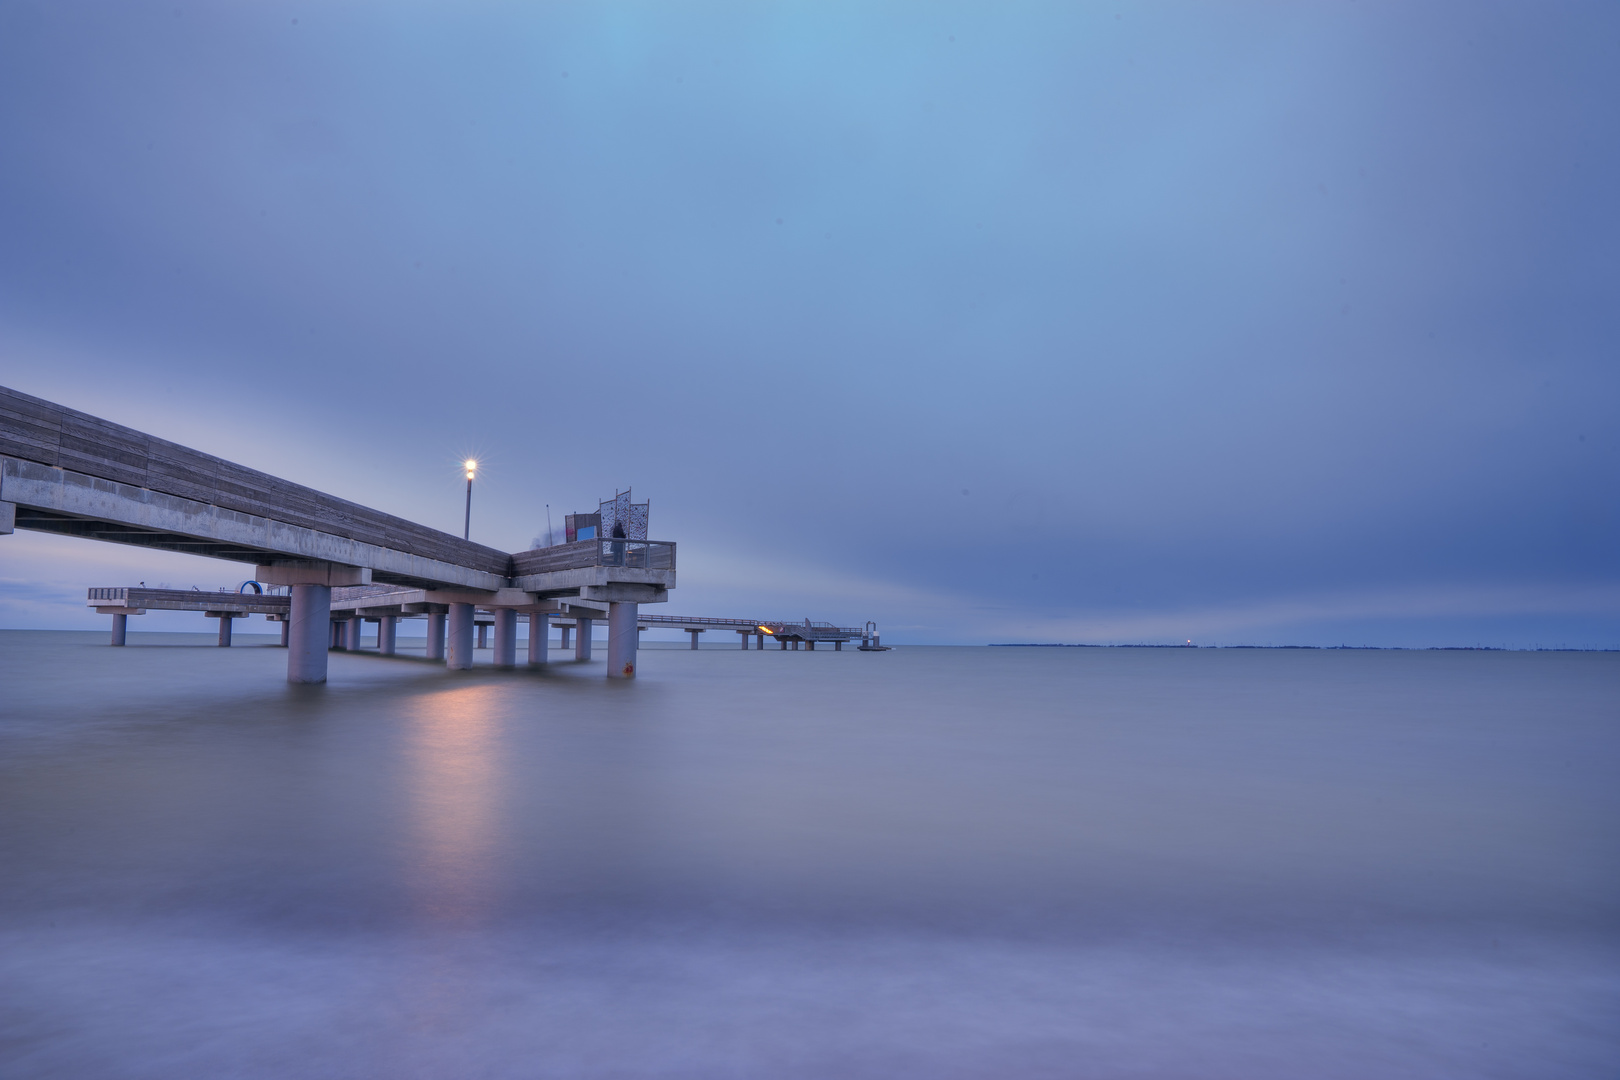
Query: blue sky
[[1110, 322]]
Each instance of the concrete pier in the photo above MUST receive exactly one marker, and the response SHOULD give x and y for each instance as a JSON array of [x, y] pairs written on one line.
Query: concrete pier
[[309, 622], [693, 632], [565, 631], [539, 631], [351, 635], [505, 638], [224, 618], [759, 642], [483, 635], [460, 652], [387, 628], [286, 627], [582, 639], [623, 638], [435, 635], [120, 628]]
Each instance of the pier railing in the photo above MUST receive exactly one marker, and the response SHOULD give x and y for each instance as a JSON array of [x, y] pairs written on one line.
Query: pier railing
[[646, 554]]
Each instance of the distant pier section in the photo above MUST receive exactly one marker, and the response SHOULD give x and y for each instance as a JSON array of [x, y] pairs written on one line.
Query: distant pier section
[[354, 607]]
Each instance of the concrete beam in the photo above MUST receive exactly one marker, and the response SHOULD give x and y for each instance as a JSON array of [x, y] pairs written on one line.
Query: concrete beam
[[305, 572], [558, 582], [625, 592], [227, 534]]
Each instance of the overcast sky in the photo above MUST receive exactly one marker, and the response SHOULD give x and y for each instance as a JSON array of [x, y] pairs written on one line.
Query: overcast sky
[[992, 322]]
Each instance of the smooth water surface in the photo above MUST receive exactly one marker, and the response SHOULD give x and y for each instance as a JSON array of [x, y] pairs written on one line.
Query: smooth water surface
[[931, 863]]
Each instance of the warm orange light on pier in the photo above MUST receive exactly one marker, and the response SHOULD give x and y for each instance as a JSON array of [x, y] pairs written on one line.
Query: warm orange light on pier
[[767, 630]]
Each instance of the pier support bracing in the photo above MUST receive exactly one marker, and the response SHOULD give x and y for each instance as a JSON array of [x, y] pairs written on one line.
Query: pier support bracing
[[505, 638], [622, 640], [460, 656], [435, 638], [386, 633], [309, 629], [539, 631], [582, 639], [120, 628]]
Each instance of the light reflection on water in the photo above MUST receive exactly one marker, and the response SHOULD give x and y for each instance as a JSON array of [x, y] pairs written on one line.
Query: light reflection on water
[[451, 743], [929, 863]]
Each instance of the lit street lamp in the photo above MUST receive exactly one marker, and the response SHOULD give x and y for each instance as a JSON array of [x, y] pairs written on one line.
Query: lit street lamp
[[471, 465]]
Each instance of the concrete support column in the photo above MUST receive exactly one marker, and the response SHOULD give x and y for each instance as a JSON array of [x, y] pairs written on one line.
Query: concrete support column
[[387, 631], [759, 642], [334, 634], [539, 631], [435, 635], [286, 626], [582, 639], [224, 631], [694, 634], [483, 635], [781, 644], [308, 618], [505, 638], [565, 630], [742, 636], [461, 638], [120, 628], [838, 646], [623, 639], [351, 638], [810, 645]]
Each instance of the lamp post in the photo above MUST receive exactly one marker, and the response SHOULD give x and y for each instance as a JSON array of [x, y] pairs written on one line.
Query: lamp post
[[471, 465]]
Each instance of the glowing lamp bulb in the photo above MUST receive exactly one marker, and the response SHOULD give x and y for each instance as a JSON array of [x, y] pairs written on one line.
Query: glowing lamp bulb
[[471, 466]]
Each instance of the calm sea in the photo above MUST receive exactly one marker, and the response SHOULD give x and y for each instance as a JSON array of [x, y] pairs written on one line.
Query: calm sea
[[931, 862]]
